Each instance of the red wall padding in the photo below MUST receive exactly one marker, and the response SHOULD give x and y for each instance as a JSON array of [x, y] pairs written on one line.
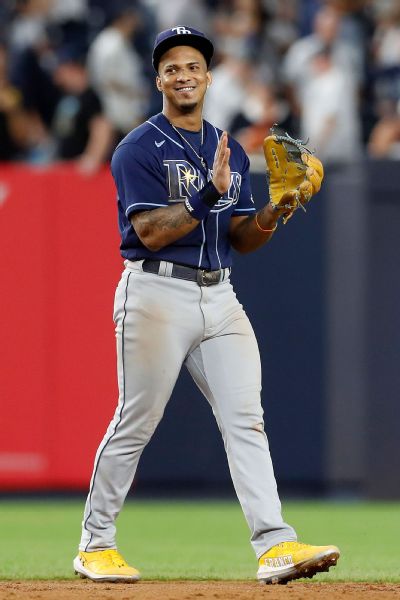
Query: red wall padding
[[59, 265]]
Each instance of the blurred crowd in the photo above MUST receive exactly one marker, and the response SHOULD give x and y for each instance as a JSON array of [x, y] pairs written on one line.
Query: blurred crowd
[[76, 75]]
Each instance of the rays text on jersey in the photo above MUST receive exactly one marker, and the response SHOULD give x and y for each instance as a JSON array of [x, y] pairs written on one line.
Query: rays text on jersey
[[184, 180]]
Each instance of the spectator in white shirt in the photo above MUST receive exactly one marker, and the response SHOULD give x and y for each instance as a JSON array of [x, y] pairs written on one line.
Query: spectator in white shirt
[[326, 32], [115, 70], [329, 115]]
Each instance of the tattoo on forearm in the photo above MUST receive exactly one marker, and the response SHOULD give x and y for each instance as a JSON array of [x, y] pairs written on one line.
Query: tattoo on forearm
[[166, 219]]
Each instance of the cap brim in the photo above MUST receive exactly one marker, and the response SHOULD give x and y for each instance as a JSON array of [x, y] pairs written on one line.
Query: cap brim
[[201, 44]]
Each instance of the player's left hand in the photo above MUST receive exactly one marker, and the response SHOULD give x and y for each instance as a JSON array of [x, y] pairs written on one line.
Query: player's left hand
[[221, 170]]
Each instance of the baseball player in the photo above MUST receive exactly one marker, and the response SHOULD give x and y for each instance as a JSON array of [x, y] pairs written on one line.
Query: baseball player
[[184, 200]]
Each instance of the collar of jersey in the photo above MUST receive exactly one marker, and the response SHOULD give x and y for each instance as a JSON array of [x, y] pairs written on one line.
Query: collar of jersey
[[210, 133]]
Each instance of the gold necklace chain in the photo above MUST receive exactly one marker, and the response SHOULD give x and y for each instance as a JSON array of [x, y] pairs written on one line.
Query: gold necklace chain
[[201, 159]]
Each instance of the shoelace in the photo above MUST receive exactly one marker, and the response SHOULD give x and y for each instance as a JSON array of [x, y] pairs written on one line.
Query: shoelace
[[113, 557], [292, 545], [117, 559]]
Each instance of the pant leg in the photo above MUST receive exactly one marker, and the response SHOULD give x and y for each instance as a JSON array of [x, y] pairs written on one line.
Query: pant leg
[[154, 335], [226, 368]]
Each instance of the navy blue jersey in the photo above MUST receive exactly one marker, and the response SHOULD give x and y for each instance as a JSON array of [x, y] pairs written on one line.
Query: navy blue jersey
[[153, 167]]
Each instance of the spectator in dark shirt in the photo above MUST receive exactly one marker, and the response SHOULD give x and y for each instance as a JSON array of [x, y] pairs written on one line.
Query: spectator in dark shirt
[[81, 130]]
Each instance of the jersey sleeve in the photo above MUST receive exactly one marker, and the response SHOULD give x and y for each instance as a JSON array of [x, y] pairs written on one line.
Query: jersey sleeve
[[139, 180], [245, 204]]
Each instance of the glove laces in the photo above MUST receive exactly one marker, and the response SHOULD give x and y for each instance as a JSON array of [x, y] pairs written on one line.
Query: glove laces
[[300, 144]]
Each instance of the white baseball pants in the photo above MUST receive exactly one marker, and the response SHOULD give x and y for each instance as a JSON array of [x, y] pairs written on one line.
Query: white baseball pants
[[162, 323]]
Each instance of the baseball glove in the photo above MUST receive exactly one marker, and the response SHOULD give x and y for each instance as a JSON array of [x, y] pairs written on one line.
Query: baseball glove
[[295, 175]]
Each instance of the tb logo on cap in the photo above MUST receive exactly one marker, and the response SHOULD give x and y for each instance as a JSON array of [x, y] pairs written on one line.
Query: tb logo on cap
[[180, 30]]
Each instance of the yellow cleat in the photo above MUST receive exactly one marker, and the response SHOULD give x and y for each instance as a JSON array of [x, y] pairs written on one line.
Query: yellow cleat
[[104, 565], [292, 560]]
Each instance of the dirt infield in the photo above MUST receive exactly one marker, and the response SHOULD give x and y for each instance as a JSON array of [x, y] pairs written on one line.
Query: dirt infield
[[194, 590]]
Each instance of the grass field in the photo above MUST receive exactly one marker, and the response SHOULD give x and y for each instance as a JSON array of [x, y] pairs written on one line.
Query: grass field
[[197, 540]]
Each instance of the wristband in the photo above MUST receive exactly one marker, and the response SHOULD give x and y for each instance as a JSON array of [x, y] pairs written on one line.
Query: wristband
[[261, 228], [200, 205]]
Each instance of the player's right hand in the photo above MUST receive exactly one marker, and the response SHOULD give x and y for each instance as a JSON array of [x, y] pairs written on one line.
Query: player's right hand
[[221, 170]]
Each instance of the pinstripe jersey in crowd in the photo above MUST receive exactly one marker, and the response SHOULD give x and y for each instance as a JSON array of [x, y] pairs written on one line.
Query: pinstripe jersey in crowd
[[154, 166]]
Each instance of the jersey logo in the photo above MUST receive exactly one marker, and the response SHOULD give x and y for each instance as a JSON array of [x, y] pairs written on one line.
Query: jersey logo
[[159, 144], [184, 180], [181, 30]]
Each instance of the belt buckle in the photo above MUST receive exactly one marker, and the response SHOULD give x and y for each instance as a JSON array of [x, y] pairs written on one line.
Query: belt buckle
[[206, 278]]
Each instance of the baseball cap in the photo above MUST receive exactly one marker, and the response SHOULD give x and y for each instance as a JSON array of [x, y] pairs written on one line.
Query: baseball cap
[[181, 36]]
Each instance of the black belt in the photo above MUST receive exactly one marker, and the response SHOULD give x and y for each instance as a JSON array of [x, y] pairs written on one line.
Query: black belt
[[201, 276]]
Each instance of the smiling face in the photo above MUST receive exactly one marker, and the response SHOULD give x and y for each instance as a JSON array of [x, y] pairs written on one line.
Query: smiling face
[[183, 79]]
